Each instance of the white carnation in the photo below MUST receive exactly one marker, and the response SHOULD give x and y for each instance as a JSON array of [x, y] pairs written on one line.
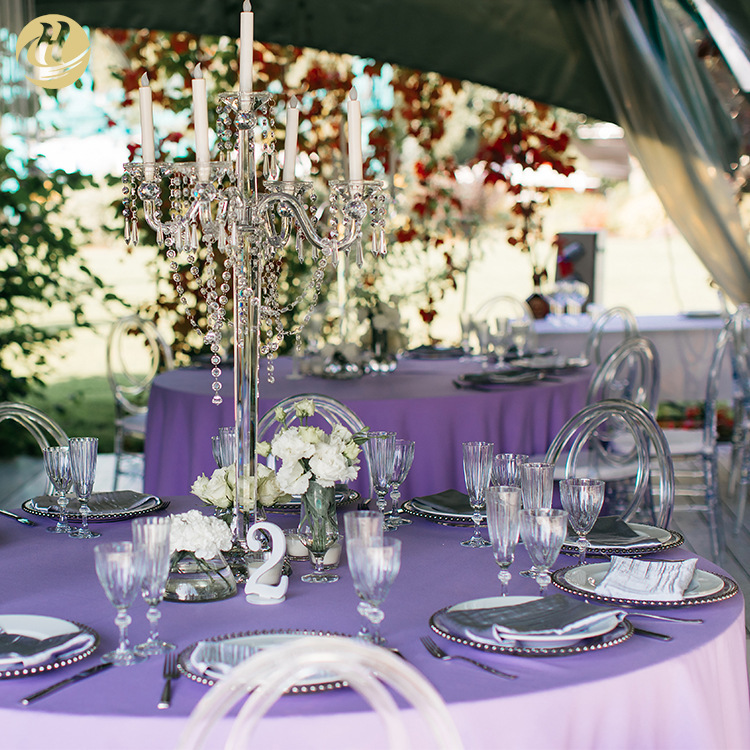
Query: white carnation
[[328, 465], [290, 446]]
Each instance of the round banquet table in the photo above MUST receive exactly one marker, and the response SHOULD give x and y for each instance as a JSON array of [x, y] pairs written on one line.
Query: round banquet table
[[418, 401], [691, 692]]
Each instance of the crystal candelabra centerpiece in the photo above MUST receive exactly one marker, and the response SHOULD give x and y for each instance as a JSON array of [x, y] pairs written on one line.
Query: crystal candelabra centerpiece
[[246, 219]]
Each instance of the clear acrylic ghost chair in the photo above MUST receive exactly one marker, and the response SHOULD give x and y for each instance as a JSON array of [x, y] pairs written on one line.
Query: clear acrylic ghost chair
[[572, 442], [369, 670], [504, 307], [136, 352], [595, 352]]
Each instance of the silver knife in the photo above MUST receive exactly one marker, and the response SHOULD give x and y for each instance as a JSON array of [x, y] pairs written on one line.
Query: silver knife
[[20, 519], [68, 681]]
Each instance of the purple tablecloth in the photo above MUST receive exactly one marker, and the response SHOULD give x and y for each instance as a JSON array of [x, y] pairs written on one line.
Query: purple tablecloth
[[689, 693], [418, 401]]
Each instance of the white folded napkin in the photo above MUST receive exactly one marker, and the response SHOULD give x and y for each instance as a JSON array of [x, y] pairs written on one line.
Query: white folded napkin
[[19, 651], [101, 502], [632, 578], [215, 659]]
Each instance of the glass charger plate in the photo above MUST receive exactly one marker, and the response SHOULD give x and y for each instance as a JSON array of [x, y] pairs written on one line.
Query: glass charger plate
[[666, 538], [550, 362], [445, 518], [151, 506], [594, 641], [42, 626], [257, 640], [705, 587], [344, 496]]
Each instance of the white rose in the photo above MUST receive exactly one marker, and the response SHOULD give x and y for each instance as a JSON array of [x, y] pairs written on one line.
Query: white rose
[[263, 448], [351, 450], [312, 435], [305, 408], [217, 492], [199, 486], [292, 478], [268, 485], [279, 415]]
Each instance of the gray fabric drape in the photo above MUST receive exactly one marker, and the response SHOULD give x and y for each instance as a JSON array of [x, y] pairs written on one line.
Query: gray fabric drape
[[675, 128]]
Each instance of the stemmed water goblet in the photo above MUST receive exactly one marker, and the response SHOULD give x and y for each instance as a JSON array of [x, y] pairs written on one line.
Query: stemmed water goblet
[[506, 469], [57, 466], [477, 471], [224, 447], [543, 531], [403, 456], [583, 499], [374, 565], [83, 454], [503, 523], [151, 541], [381, 447], [118, 567]]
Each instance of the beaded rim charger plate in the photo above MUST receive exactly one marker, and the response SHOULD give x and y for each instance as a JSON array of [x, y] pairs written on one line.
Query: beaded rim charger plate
[[582, 580], [667, 539], [42, 626], [446, 518], [150, 506], [258, 640]]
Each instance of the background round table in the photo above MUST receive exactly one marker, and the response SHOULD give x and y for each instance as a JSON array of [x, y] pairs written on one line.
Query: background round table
[[419, 401]]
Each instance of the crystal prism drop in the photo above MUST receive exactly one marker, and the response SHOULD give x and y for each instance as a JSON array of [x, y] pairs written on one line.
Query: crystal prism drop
[[299, 246], [126, 232], [134, 232], [160, 236], [273, 166], [266, 166], [222, 237], [193, 237], [358, 256]]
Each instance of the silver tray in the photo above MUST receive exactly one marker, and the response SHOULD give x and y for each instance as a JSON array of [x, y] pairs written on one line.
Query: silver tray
[[343, 497], [670, 539], [445, 519], [101, 517], [314, 686], [614, 637], [724, 589], [49, 626]]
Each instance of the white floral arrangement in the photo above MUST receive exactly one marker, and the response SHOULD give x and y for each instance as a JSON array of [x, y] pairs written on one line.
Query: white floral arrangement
[[204, 536], [218, 490], [310, 454]]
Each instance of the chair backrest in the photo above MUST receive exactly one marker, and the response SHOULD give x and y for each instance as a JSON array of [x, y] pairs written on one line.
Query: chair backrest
[[44, 429], [504, 306], [136, 352], [267, 675], [630, 372], [582, 428], [594, 351]]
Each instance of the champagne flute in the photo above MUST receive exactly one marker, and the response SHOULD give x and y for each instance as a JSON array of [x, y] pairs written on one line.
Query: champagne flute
[[506, 469], [151, 541], [543, 531], [224, 447], [374, 566], [477, 471], [83, 452], [583, 499], [57, 466], [118, 568], [403, 456], [503, 523], [537, 483], [380, 447]]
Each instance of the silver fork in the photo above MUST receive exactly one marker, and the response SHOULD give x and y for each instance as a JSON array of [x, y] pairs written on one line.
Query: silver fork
[[438, 653], [170, 673]]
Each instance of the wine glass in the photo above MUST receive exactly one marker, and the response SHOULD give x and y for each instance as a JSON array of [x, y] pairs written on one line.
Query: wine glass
[[500, 338], [503, 523], [403, 456], [151, 541], [224, 447], [477, 471], [57, 466], [380, 447], [519, 335], [374, 566], [543, 531], [583, 499], [506, 469], [537, 482], [118, 568], [362, 524], [83, 453], [318, 530]]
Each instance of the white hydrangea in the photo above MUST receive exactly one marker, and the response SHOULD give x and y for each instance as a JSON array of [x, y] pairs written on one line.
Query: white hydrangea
[[205, 536]]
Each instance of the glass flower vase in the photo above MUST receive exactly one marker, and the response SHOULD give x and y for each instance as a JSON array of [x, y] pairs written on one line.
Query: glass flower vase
[[318, 529], [193, 579]]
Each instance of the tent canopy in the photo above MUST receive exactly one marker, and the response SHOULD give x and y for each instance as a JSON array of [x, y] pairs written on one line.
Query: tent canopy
[[535, 48]]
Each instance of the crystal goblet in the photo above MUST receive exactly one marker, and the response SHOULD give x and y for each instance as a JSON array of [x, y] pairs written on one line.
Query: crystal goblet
[[57, 466], [543, 531], [537, 483], [506, 469], [151, 541], [118, 568], [503, 523], [83, 454], [374, 566], [381, 447], [403, 456], [477, 462], [224, 447], [583, 499]]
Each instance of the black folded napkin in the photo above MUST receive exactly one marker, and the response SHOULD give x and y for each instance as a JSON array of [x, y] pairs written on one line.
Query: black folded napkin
[[613, 531], [483, 380], [435, 352], [117, 501], [447, 501], [551, 615]]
